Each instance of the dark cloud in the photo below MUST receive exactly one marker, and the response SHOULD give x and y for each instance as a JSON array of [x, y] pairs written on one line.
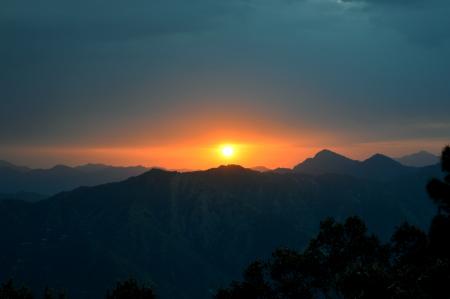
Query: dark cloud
[[422, 22], [387, 2], [111, 20], [68, 67]]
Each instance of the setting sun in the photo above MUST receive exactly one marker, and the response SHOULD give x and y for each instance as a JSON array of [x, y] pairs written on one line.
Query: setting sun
[[227, 151]]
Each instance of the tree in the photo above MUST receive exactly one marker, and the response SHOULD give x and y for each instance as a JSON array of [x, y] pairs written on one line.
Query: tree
[[130, 289], [9, 291], [439, 191], [343, 260], [48, 293]]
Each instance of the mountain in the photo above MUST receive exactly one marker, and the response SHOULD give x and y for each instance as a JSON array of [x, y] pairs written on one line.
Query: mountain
[[8, 165], [382, 167], [282, 170], [261, 168], [25, 196], [419, 159], [15, 179], [327, 161], [189, 233], [377, 167], [91, 167]]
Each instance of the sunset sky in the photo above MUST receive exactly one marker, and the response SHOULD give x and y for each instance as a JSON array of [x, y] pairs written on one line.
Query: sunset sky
[[168, 82]]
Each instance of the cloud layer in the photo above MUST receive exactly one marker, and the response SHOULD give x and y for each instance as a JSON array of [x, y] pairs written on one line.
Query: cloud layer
[[83, 72]]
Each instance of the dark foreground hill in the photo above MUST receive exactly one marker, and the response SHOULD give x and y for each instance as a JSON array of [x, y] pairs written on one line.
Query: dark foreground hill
[[188, 233]]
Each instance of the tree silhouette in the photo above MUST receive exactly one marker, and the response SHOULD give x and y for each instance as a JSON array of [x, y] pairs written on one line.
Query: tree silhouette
[[9, 291], [343, 260], [439, 191], [130, 289], [48, 293]]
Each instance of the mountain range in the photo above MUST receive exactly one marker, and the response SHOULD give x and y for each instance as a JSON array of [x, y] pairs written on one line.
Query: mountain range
[[419, 159], [190, 233], [377, 167], [16, 181]]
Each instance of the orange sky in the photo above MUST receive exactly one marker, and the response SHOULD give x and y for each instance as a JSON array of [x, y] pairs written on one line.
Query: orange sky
[[202, 154], [187, 142]]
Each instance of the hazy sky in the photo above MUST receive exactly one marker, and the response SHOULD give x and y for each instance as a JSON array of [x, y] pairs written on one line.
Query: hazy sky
[[163, 82]]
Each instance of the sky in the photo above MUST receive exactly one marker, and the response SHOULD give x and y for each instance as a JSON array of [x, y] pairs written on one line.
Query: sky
[[167, 82]]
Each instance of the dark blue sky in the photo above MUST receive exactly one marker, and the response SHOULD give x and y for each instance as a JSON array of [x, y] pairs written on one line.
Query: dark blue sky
[[149, 73]]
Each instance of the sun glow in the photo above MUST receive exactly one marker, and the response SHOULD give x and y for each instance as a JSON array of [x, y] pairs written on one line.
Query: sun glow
[[227, 151]]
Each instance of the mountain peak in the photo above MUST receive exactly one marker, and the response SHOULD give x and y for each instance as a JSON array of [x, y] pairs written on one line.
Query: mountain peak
[[419, 159], [326, 161], [380, 159], [378, 166], [6, 164], [230, 169], [327, 153]]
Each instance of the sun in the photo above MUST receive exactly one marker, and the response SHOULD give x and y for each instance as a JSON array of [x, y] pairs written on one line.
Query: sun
[[227, 151]]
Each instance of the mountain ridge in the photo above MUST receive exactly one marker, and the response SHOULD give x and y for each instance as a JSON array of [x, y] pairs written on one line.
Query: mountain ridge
[[15, 179], [376, 167], [162, 225], [419, 159]]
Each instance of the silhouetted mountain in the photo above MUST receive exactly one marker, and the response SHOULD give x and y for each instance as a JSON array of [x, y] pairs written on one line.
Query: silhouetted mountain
[[282, 170], [190, 233], [6, 164], [92, 167], [419, 159], [14, 179], [377, 167], [25, 196], [327, 161], [261, 168], [382, 167]]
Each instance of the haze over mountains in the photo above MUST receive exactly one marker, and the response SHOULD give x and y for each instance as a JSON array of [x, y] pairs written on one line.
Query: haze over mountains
[[419, 159], [16, 181], [189, 233]]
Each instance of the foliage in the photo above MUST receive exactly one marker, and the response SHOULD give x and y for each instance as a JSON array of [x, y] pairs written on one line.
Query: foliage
[[130, 289], [9, 291]]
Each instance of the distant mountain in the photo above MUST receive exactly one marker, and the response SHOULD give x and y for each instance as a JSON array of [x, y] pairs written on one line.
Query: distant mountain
[[419, 159], [282, 170], [189, 233], [6, 164], [327, 161], [25, 196], [92, 167], [260, 168], [15, 179], [377, 167]]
